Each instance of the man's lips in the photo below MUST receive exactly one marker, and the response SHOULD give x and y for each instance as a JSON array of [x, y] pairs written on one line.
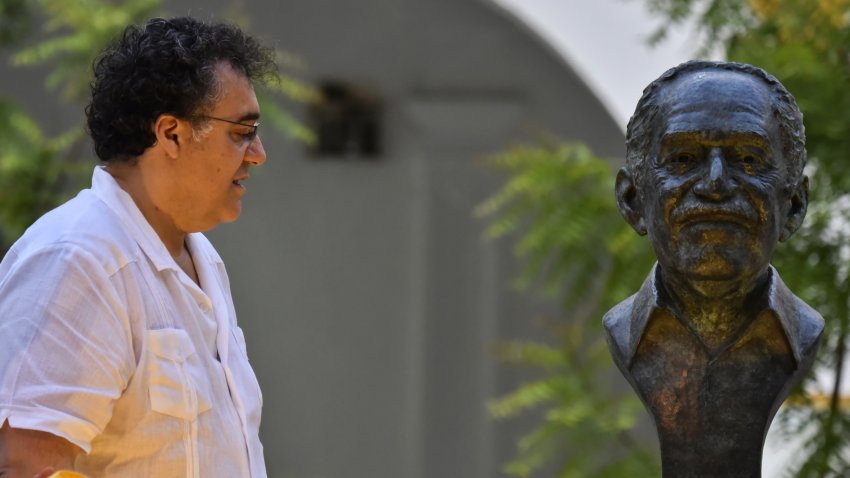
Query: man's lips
[[237, 183]]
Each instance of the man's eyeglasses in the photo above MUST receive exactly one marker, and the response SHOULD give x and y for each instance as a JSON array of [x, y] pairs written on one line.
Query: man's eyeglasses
[[248, 136]]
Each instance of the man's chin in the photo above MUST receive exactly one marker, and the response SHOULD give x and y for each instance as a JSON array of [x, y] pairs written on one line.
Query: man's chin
[[232, 213], [212, 222]]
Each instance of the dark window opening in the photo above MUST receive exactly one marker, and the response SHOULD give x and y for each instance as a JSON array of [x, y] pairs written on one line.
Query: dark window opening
[[347, 121]]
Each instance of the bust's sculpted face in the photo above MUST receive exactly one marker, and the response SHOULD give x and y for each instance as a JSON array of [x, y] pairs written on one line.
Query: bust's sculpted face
[[716, 197]]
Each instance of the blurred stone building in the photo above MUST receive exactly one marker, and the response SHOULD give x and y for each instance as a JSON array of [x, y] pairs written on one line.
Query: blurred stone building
[[368, 295]]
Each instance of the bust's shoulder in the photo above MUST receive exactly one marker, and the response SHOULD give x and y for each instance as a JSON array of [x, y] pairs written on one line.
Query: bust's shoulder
[[803, 325], [619, 315], [625, 322], [808, 316], [810, 324], [618, 325]]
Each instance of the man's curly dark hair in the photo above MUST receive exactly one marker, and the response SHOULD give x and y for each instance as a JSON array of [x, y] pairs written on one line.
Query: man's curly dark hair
[[166, 66]]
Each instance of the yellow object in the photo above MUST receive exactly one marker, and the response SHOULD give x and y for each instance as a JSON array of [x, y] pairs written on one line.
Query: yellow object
[[66, 474]]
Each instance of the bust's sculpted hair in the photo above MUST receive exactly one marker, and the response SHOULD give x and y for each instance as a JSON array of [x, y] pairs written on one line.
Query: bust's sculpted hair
[[641, 134]]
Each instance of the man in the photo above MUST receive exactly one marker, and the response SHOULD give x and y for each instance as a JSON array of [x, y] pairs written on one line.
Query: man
[[714, 340], [119, 349]]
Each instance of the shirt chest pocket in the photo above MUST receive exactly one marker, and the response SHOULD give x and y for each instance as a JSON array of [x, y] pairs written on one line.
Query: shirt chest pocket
[[171, 387]]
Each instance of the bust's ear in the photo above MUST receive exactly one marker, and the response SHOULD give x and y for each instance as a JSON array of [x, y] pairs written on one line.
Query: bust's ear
[[799, 203], [628, 201]]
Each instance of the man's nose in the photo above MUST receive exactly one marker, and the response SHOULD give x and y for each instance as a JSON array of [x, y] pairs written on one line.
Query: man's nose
[[255, 154], [715, 184]]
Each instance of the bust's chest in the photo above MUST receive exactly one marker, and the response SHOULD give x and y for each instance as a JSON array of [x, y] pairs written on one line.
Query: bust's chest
[[724, 397]]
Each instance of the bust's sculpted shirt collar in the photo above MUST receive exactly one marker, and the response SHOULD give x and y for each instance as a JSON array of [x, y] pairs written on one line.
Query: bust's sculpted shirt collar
[[781, 301]]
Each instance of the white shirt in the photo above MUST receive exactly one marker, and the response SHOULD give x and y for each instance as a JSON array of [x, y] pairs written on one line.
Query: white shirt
[[107, 343]]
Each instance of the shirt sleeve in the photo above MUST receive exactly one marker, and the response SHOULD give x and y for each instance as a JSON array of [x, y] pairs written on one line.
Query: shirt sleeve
[[65, 344]]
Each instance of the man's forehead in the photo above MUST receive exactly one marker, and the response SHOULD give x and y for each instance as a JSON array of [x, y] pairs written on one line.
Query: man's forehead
[[236, 98]]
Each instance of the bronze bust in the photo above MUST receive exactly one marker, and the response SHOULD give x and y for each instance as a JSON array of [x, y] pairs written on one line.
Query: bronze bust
[[713, 341]]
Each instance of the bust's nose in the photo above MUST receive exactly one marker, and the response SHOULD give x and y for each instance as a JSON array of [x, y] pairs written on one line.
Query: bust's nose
[[715, 183]]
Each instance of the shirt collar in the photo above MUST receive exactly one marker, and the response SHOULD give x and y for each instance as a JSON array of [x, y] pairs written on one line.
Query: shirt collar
[[781, 301], [105, 187]]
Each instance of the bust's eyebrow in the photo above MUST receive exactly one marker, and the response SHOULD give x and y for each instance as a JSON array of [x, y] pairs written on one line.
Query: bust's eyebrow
[[749, 138]]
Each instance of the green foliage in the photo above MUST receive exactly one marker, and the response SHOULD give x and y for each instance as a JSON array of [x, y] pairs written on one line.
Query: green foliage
[[716, 20], [76, 31], [280, 118], [31, 171], [287, 87], [38, 172], [15, 21], [559, 199]]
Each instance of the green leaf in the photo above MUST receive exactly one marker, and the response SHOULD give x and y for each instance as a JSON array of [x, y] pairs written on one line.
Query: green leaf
[[558, 205]]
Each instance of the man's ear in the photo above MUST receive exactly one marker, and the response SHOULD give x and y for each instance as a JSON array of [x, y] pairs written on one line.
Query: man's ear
[[628, 201], [167, 129], [799, 203]]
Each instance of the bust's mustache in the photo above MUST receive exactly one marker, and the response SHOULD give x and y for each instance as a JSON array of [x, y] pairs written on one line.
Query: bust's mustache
[[736, 210]]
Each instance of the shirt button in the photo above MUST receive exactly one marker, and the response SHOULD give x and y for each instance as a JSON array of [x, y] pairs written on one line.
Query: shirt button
[[205, 306]]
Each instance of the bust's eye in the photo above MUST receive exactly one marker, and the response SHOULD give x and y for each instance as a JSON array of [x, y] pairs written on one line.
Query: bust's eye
[[750, 162], [680, 159], [683, 158]]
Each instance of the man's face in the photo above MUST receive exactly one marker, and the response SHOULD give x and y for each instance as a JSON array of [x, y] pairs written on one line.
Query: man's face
[[206, 183], [714, 196]]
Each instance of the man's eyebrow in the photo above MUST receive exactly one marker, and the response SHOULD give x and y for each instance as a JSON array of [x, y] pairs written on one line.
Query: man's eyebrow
[[252, 116]]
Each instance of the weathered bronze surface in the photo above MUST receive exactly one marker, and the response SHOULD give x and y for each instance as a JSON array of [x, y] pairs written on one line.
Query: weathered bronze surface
[[714, 340]]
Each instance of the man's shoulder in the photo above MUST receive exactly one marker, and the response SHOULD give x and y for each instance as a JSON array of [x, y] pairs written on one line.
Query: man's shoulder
[[84, 226]]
